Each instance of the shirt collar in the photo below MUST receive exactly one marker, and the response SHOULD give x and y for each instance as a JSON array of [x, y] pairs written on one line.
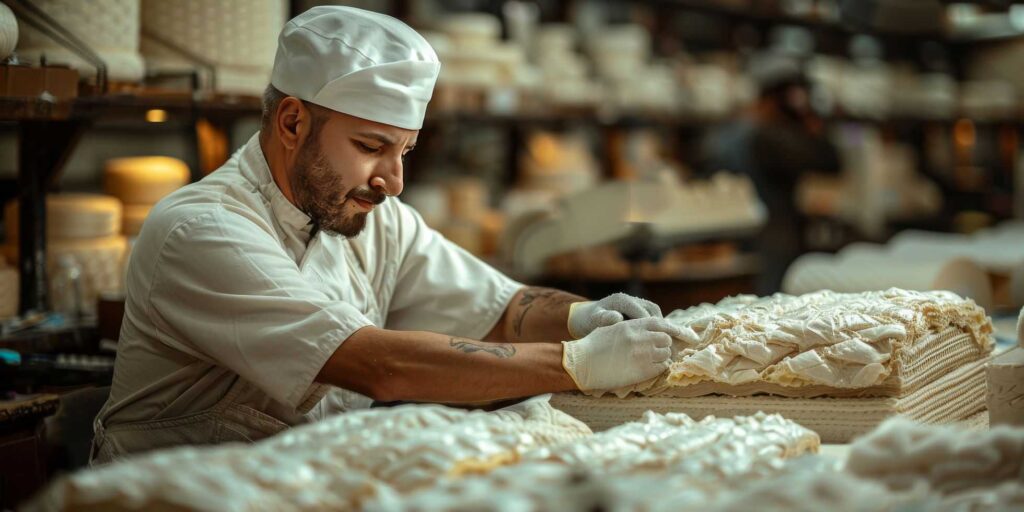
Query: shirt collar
[[256, 167]]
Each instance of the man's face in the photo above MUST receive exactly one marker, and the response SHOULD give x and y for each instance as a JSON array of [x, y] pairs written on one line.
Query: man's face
[[346, 166]]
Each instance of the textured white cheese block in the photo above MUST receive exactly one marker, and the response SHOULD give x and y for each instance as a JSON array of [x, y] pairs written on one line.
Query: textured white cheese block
[[109, 27], [101, 261], [239, 37], [8, 290], [8, 31], [134, 215], [333, 464], [73, 216], [144, 180]]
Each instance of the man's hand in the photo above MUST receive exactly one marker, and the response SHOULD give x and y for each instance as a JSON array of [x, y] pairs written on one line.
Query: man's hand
[[620, 355], [584, 317]]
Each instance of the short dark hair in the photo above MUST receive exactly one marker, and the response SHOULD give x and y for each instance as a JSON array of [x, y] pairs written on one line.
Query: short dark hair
[[272, 98]]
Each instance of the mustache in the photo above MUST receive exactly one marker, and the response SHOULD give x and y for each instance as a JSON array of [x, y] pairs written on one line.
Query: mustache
[[367, 194]]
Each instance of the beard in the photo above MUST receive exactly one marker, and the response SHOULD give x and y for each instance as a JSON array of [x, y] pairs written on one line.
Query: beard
[[318, 193]]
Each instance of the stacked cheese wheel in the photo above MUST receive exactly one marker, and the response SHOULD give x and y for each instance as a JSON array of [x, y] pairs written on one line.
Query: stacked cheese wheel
[[237, 37], [86, 227], [139, 182], [108, 27]]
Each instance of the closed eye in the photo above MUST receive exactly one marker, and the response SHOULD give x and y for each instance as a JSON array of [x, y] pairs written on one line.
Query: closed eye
[[365, 148]]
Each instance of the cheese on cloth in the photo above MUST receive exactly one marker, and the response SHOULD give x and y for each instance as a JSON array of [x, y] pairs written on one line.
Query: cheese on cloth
[[633, 467], [933, 477], [334, 464], [72, 216], [674, 442], [826, 339], [144, 180]]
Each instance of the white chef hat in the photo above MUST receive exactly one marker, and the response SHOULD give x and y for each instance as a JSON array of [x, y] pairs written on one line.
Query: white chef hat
[[357, 62]]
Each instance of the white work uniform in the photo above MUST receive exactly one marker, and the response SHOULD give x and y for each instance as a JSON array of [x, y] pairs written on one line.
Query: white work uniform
[[233, 309]]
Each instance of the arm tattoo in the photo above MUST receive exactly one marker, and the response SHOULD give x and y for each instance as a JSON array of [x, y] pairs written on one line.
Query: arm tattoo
[[502, 351], [530, 298]]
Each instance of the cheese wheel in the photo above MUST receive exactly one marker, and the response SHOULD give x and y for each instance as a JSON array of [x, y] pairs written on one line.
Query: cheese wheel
[[238, 38], [134, 214], [8, 31], [8, 291], [144, 180], [101, 261], [73, 216], [108, 27]]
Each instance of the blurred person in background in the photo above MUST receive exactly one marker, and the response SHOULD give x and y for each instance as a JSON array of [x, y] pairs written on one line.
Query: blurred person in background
[[775, 142]]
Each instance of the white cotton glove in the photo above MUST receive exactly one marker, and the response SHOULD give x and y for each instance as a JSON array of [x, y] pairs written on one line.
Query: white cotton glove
[[584, 317], [620, 355]]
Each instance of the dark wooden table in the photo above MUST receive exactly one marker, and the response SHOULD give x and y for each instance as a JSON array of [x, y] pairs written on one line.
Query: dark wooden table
[[22, 455]]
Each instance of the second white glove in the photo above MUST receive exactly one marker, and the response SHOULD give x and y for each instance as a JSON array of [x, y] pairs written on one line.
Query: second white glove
[[584, 317], [620, 355]]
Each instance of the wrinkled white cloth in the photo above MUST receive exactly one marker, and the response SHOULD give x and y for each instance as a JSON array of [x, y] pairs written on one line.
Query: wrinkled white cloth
[[584, 317]]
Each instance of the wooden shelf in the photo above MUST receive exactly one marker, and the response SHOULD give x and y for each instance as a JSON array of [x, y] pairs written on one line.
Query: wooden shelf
[[126, 106]]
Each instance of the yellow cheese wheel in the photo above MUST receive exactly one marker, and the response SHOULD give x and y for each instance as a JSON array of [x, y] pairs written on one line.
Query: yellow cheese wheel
[[72, 216], [134, 214], [144, 179]]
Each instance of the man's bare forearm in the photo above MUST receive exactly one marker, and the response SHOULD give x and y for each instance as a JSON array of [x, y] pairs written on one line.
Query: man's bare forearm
[[535, 314], [429, 367]]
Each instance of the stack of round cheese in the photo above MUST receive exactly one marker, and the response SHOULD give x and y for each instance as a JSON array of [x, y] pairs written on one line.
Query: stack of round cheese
[[108, 27], [239, 37], [479, 69], [86, 227], [565, 73], [139, 182]]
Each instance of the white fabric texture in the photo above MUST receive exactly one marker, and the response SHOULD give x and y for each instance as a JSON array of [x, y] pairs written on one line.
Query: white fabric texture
[[357, 62], [228, 290]]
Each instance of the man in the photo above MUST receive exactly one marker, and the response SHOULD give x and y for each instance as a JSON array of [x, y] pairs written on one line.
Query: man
[[779, 140], [291, 283]]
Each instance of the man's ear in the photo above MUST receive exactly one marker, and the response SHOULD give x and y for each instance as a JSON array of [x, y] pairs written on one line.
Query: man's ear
[[292, 120]]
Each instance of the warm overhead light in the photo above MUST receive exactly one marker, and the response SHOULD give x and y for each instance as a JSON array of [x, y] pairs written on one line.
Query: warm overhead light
[[156, 115]]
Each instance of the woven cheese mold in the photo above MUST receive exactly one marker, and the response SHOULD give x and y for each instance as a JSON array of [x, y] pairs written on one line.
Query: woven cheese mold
[[108, 27], [101, 261], [239, 37]]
